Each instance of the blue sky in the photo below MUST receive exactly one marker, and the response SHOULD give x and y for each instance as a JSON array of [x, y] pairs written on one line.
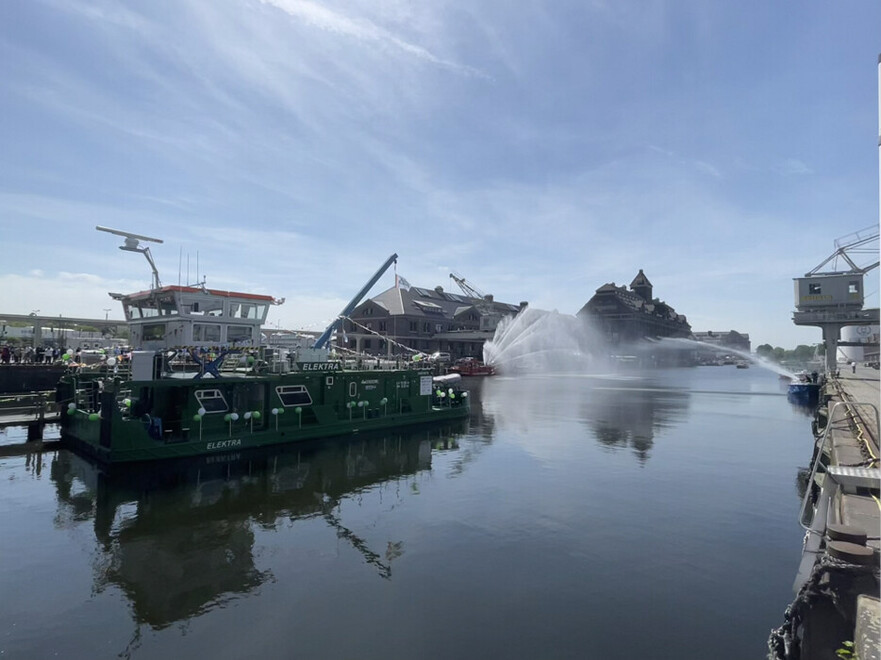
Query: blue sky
[[541, 149]]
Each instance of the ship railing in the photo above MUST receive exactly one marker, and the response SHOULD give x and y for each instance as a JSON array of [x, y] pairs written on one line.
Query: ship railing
[[86, 398], [375, 363], [819, 457]]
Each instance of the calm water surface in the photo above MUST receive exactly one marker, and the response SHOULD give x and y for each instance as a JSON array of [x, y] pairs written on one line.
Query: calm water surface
[[570, 517]]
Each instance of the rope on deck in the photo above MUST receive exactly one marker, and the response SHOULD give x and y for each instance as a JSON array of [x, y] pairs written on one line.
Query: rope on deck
[[831, 579]]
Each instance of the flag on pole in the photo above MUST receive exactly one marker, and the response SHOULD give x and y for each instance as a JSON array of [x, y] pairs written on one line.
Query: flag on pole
[[402, 283]]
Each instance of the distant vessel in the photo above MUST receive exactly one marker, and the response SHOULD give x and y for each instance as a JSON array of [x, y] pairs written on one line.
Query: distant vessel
[[472, 367], [803, 389], [201, 383]]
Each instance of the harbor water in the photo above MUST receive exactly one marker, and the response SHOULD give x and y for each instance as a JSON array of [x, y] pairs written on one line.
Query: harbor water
[[621, 515]]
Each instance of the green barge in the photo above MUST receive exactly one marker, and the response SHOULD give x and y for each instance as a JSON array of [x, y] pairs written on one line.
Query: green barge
[[203, 380], [120, 419]]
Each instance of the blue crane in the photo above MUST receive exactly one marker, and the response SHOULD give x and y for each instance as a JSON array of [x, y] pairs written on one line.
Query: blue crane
[[325, 336]]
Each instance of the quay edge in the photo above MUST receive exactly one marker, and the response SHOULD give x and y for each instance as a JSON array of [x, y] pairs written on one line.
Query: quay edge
[[836, 608]]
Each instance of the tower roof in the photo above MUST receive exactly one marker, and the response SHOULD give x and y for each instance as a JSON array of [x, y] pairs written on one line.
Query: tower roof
[[640, 280]]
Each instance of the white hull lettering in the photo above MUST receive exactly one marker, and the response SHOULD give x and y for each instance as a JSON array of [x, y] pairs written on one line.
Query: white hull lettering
[[320, 366], [224, 444]]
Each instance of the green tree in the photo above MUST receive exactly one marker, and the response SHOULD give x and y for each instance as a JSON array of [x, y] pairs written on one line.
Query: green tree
[[802, 353], [765, 351]]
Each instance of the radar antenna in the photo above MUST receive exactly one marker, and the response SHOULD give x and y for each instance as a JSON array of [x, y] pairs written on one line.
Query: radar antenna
[[132, 243]]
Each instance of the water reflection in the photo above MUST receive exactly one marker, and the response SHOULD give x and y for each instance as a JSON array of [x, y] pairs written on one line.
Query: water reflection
[[620, 411], [178, 538], [629, 415]]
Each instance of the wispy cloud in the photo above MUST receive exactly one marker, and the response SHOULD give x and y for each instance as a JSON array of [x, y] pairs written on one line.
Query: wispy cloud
[[364, 30], [793, 167], [294, 144]]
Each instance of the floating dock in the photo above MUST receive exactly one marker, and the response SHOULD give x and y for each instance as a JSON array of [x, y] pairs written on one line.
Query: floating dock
[[34, 411]]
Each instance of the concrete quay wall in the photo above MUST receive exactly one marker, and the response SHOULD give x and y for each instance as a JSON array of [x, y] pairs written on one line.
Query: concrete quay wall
[[837, 609]]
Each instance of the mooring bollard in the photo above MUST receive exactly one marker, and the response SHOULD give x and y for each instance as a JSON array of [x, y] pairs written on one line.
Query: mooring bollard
[[35, 430]]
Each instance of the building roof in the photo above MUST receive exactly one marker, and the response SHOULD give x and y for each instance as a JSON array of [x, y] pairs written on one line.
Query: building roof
[[198, 290], [435, 303], [640, 280], [611, 294]]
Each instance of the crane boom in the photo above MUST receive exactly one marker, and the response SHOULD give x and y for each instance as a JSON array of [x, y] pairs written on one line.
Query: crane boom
[[353, 303], [848, 247], [468, 289]]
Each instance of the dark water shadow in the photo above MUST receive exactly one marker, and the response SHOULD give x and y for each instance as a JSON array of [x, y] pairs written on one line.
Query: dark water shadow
[[177, 537]]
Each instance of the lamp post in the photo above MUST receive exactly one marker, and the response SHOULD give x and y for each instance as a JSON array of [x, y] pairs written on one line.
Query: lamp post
[[38, 330], [106, 313]]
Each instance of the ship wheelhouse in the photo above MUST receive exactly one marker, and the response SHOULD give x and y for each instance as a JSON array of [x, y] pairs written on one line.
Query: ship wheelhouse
[[174, 316]]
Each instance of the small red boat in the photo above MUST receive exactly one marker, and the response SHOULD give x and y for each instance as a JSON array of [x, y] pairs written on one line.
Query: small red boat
[[472, 367]]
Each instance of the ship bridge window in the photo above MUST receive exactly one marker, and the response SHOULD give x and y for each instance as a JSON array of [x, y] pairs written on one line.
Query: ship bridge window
[[211, 400], [151, 308], [238, 333], [247, 311], [293, 395], [153, 331], [203, 307], [206, 332], [166, 306]]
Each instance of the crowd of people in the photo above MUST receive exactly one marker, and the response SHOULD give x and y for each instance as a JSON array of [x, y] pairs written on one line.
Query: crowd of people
[[30, 355], [51, 354]]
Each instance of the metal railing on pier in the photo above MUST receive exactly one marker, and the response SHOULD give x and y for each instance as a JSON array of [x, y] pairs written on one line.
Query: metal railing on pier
[[28, 408]]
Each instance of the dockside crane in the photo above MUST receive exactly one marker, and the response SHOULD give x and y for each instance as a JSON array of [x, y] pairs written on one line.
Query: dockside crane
[[833, 299], [321, 342], [468, 289], [849, 249]]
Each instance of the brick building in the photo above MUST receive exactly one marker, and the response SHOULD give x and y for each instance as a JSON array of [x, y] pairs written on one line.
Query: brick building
[[626, 316], [425, 320]]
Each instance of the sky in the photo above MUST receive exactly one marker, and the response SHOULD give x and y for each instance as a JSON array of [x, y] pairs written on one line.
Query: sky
[[539, 149]]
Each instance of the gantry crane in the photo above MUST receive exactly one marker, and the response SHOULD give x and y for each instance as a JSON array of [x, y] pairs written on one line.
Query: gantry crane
[[848, 248], [833, 299]]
